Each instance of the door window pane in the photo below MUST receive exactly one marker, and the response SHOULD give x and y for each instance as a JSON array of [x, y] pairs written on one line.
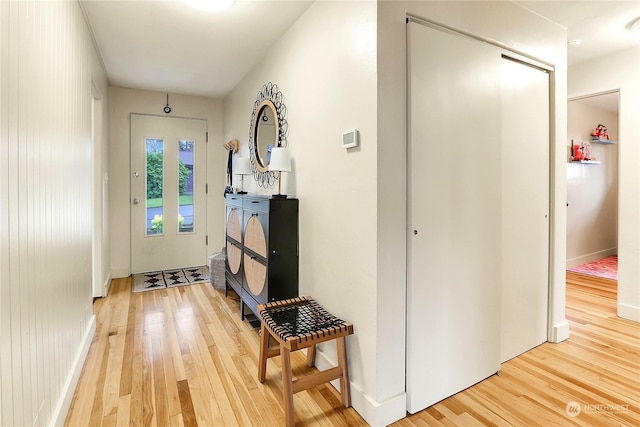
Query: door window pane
[[186, 184], [155, 173]]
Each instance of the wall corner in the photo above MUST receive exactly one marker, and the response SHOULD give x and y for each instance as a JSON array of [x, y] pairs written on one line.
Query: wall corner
[[68, 390], [374, 413]]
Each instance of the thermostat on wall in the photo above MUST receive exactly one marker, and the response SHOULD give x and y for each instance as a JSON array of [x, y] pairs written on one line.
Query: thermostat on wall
[[350, 138]]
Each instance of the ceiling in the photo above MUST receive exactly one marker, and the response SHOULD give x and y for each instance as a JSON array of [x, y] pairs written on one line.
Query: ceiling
[[167, 46], [601, 26]]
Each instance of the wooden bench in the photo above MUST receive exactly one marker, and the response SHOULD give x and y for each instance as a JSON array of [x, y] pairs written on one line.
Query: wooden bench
[[295, 324]]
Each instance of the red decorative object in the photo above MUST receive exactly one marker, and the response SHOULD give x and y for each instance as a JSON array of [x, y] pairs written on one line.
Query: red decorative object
[[581, 151], [600, 132], [577, 153]]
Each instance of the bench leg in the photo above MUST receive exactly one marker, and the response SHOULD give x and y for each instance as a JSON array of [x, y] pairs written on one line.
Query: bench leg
[[311, 356], [287, 386], [264, 351], [345, 386]]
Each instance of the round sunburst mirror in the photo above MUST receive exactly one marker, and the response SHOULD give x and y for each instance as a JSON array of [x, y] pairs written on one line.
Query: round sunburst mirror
[[268, 129]]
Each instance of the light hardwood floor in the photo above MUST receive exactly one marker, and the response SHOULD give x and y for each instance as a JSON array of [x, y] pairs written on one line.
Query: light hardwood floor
[[182, 357]]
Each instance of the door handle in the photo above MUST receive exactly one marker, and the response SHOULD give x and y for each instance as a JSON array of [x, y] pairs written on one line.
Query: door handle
[[136, 174], [135, 201]]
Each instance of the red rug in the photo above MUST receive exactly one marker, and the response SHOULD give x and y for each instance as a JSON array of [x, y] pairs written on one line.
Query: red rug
[[605, 267]]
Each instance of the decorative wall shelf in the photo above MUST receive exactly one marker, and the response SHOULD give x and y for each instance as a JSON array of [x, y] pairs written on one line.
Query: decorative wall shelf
[[589, 162], [602, 141]]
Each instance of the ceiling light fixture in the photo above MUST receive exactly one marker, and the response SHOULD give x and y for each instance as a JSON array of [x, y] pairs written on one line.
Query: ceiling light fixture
[[635, 28], [210, 5]]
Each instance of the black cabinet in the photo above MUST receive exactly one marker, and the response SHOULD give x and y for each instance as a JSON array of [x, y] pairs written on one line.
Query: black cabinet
[[262, 248]]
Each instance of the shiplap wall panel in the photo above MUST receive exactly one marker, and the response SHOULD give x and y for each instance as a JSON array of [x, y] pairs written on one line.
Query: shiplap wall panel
[[45, 196], [4, 203]]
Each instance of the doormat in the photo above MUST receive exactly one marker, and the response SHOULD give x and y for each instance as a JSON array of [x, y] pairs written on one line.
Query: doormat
[[606, 267], [169, 278]]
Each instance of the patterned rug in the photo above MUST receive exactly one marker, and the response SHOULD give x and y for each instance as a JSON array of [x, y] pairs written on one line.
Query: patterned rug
[[169, 278], [606, 267]]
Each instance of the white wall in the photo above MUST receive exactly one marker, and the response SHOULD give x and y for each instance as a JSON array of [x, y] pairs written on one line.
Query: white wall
[[46, 319], [325, 66], [101, 244], [620, 70], [592, 190], [123, 102], [352, 203]]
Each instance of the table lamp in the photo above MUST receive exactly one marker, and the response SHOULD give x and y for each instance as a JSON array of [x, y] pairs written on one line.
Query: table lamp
[[242, 168], [280, 162]]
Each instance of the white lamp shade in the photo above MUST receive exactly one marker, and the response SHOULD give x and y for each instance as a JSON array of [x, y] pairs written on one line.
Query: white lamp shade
[[242, 166], [280, 160]]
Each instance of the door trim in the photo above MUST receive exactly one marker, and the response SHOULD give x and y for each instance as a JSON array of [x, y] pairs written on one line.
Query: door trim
[[525, 58]]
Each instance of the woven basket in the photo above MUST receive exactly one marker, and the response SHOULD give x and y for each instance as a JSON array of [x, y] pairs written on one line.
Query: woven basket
[[216, 269]]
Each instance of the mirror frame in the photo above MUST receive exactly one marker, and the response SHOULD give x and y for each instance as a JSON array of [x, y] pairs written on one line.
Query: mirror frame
[[260, 162], [269, 96]]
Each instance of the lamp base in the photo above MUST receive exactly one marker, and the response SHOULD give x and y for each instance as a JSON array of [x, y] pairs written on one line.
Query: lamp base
[[278, 196]]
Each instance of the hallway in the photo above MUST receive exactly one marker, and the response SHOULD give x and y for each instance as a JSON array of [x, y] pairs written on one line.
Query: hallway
[[181, 356]]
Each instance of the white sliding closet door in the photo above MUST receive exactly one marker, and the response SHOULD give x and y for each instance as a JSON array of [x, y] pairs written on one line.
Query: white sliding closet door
[[478, 211], [525, 207], [454, 209]]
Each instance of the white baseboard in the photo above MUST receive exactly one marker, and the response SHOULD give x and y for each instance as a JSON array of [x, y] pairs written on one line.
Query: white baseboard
[[62, 408], [106, 284], [583, 259], [374, 413], [560, 332], [629, 312], [379, 414]]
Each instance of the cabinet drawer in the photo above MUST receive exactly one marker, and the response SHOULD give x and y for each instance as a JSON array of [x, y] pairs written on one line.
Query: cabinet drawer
[[234, 200], [255, 278], [234, 257], [234, 261], [234, 221], [255, 236], [256, 204]]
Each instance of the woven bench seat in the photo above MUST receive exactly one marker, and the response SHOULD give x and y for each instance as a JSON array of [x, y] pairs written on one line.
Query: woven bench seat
[[295, 324]]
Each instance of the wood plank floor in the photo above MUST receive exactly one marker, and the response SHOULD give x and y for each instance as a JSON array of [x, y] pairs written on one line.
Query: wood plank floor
[[182, 357]]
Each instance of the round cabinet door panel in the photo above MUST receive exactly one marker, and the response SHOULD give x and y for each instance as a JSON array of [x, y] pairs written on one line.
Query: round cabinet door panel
[[255, 273], [233, 226], [254, 238], [234, 256]]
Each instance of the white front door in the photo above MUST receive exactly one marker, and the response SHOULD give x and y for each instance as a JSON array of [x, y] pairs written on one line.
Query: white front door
[[168, 193]]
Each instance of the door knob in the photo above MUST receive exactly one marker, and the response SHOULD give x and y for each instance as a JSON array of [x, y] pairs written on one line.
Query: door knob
[[136, 174], [135, 201]]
